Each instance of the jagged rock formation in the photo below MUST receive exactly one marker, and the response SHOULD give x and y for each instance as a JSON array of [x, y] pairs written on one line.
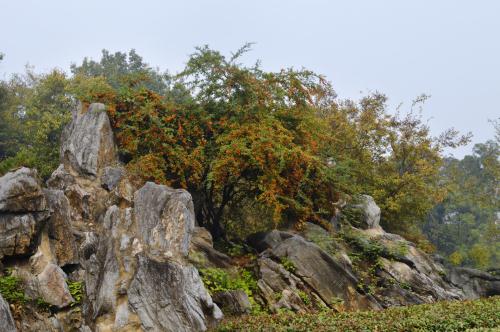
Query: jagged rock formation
[[128, 245]]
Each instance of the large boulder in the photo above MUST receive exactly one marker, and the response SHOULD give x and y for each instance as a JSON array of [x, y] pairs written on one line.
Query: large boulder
[[20, 191], [87, 143], [165, 219], [168, 296], [367, 212], [7, 323], [53, 287], [23, 209], [137, 274]]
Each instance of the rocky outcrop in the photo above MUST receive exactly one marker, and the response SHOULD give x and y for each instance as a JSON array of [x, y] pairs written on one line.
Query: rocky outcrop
[[474, 283], [367, 212], [168, 296], [7, 323], [141, 263], [59, 228], [135, 248], [128, 245], [311, 268]]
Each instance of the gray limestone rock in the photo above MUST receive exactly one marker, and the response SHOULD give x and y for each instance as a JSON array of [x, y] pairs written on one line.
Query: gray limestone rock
[[87, 143], [370, 212], [475, 283], [168, 296], [62, 240], [53, 287], [111, 176], [7, 323], [23, 209], [233, 302], [165, 219], [20, 191]]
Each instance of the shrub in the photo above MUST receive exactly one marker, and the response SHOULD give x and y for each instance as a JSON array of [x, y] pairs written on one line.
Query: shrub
[[11, 289], [76, 290], [441, 316]]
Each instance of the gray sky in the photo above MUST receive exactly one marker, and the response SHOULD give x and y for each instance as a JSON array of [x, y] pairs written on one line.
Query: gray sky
[[449, 49]]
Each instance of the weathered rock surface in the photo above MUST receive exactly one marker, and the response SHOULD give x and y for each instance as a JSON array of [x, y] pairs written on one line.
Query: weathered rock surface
[[165, 218], [53, 287], [7, 323], [130, 247], [474, 283], [369, 216], [87, 143], [233, 302], [20, 191], [202, 252], [62, 240], [23, 210], [325, 276], [170, 297], [142, 262]]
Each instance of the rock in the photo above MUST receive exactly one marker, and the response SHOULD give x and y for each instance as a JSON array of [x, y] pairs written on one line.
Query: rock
[[165, 218], [170, 297], [61, 237], [202, 252], [262, 240], [475, 283], [60, 179], [20, 191], [322, 273], [87, 143], [369, 213], [23, 209], [18, 233], [111, 176], [53, 287], [7, 323], [233, 302], [276, 283]]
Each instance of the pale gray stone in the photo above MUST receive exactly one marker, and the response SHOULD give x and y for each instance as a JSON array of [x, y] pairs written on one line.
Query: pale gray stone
[[165, 219], [87, 143], [168, 297], [7, 323]]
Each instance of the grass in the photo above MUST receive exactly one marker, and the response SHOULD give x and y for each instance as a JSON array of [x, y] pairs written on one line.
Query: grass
[[479, 315]]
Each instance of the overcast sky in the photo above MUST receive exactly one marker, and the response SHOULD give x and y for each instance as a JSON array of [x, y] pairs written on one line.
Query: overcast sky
[[449, 49]]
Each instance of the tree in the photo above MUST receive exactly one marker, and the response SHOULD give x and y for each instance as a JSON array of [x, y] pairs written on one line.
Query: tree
[[466, 222], [120, 68], [243, 134], [38, 106], [392, 158]]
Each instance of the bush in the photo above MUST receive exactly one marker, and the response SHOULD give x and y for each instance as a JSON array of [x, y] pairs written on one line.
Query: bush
[[76, 290], [11, 289], [219, 280], [442, 316]]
